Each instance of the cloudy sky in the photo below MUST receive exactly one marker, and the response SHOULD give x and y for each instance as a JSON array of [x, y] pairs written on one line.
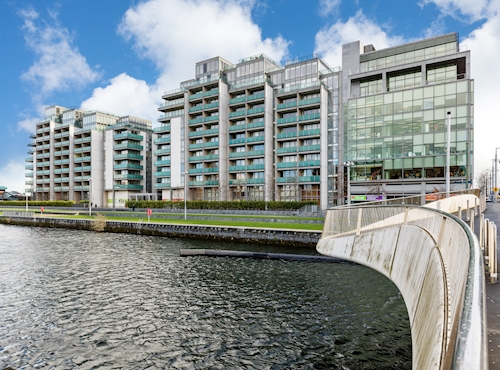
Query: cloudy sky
[[119, 56]]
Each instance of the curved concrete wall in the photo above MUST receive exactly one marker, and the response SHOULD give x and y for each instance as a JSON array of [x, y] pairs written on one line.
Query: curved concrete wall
[[426, 253]]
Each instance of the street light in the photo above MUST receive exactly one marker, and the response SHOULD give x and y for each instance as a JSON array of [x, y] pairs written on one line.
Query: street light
[[348, 164], [90, 196], [496, 161], [448, 134], [185, 195]]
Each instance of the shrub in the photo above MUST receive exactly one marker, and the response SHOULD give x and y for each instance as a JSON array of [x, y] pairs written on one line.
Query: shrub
[[258, 205], [38, 203]]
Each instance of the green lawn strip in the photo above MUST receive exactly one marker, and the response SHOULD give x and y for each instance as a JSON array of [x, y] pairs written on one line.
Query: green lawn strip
[[138, 214], [256, 225]]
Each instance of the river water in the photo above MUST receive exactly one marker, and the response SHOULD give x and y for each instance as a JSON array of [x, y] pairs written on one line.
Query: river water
[[76, 299]]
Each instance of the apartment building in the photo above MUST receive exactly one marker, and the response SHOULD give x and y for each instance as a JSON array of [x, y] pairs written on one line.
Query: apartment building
[[258, 130], [254, 130], [397, 105], [68, 157]]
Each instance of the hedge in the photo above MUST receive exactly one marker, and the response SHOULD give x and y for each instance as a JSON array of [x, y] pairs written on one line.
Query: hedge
[[221, 205], [38, 203]]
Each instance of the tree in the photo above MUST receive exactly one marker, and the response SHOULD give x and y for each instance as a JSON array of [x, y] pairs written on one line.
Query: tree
[[482, 181]]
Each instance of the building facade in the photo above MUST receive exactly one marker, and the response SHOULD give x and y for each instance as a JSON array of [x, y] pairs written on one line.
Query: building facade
[[254, 130], [72, 156], [258, 130], [397, 103]]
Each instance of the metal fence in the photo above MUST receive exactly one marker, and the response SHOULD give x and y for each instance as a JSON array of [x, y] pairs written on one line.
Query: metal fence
[[19, 214]]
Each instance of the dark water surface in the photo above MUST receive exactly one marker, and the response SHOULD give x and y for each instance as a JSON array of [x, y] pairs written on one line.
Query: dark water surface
[[76, 299]]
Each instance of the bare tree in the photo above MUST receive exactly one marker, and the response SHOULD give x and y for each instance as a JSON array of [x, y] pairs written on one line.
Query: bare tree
[[377, 186], [482, 181]]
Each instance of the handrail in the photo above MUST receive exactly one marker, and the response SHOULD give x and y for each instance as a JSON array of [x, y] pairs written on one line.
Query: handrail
[[465, 335]]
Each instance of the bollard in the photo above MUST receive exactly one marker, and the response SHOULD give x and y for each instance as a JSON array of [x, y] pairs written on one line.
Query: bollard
[[460, 212], [467, 214], [471, 217]]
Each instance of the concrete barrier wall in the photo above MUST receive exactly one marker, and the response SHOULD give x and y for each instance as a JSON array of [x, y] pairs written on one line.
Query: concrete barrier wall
[[427, 254]]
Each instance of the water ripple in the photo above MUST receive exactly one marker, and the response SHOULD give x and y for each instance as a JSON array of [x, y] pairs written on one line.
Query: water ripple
[[73, 299]]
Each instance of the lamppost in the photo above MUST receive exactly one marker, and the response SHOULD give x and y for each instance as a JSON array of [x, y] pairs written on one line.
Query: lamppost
[[495, 189], [185, 195], [90, 196], [348, 164], [448, 134]]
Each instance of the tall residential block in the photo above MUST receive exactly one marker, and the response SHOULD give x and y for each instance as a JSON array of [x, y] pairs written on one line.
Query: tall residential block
[[70, 154]]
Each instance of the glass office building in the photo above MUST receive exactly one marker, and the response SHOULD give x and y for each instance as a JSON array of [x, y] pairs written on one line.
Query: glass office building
[[396, 107]]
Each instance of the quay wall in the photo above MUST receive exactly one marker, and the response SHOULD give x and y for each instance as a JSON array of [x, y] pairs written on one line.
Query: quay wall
[[285, 237]]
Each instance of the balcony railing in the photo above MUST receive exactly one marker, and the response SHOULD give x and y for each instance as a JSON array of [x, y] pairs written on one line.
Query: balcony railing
[[161, 151], [161, 174], [286, 165], [255, 181], [128, 176], [253, 167], [308, 148], [127, 165], [284, 120], [162, 185], [127, 187], [161, 140], [309, 179], [128, 135], [124, 146], [313, 132], [165, 162], [161, 129]]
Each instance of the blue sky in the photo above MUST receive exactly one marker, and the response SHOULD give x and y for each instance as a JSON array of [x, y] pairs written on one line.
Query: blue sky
[[119, 56]]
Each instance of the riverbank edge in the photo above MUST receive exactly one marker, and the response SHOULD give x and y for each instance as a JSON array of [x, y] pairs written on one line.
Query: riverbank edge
[[285, 237]]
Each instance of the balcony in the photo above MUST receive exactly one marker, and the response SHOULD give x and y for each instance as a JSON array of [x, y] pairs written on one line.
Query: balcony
[[124, 166], [211, 157], [211, 106], [237, 127], [237, 154], [162, 140], [314, 132], [196, 133], [292, 149], [124, 146], [81, 188], [128, 176], [312, 163], [309, 179], [128, 135], [28, 167], [237, 113], [127, 187], [255, 124], [193, 171], [212, 131], [81, 178], [210, 169], [253, 153], [196, 96], [241, 140], [309, 101], [211, 144], [61, 179], [309, 148], [254, 139], [128, 156], [286, 179], [237, 181], [256, 96], [237, 100], [162, 129], [171, 103], [81, 159], [196, 108], [195, 121], [168, 115], [83, 140], [286, 135], [161, 151], [255, 181], [286, 165], [61, 188], [211, 92], [165, 162], [161, 174], [237, 168], [83, 168], [195, 183], [309, 117], [196, 158], [195, 146], [211, 118], [211, 182], [254, 167], [29, 174], [285, 120], [286, 105], [61, 170], [162, 185]]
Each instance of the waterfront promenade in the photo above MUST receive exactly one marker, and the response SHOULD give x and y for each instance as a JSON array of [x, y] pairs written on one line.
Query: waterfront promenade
[[492, 296]]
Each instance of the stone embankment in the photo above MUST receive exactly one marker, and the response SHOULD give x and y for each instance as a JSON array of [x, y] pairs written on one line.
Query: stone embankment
[[288, 237]]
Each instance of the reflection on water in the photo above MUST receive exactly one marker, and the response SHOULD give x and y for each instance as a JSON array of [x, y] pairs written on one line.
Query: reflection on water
[[72, 299]]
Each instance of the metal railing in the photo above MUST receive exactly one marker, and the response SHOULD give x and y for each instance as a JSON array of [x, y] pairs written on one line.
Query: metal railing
[[18, 214]]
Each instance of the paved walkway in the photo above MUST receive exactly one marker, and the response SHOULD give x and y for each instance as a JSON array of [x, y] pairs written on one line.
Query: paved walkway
[[492, 296]]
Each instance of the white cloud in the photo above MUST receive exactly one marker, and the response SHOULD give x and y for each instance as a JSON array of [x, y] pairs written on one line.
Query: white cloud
[[125, 95], [59, 66], [328, 7], [484, 45], [329, 41], [175, 34], [12, 176], [465, 10]]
